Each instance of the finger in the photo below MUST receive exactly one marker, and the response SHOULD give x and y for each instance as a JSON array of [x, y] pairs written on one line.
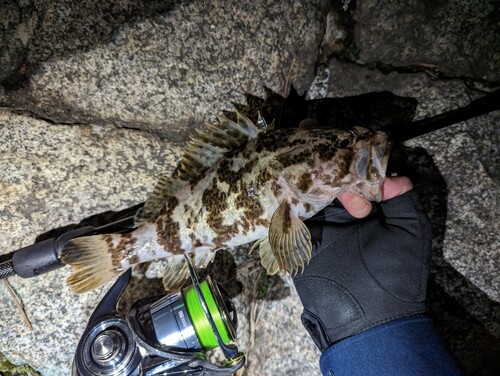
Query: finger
[[395, 186], [392, 187], [357, 206]]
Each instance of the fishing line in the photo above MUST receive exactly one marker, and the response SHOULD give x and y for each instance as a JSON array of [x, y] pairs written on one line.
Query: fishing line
[[200, 322]]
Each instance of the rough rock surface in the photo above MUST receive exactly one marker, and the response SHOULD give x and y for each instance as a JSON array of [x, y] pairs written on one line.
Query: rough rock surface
[[97, 96], [454, 38], [51, 176], [162, 68]]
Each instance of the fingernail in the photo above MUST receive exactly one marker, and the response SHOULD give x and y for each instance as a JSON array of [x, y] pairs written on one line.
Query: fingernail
[[359, 206]]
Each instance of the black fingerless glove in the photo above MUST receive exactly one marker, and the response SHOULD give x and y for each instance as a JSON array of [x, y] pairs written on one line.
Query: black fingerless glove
[[364, 272]]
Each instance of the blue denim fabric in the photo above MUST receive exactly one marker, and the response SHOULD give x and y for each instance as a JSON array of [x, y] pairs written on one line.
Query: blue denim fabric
[[404, 347]]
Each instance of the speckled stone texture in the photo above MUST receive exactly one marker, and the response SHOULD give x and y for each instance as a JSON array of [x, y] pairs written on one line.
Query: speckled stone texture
[[51, 176], [97, 98], [162, 68]]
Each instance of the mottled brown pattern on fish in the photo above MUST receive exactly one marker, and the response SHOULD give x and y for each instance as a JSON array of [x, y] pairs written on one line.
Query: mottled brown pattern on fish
[[305, 182], [272, 142], [344, 164], [134, 260], [167, 229], [116, 255], [253, 209], [224, 236], [264, 176], [196, 242], [226, 173], [291, 159], [287, 220], [262, 222], [119, 252], [215, 201], [326, 152], [126, 243], [231, 197], [115, 261]]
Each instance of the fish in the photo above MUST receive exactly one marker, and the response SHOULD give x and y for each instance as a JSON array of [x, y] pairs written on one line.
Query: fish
[[238, 182]]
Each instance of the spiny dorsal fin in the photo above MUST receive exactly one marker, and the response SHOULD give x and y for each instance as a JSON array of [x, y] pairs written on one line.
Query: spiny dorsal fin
[[201, 153], [165, 187], [212, 143]]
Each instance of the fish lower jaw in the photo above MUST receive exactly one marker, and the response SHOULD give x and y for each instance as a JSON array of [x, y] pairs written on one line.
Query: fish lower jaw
[[371, 191]]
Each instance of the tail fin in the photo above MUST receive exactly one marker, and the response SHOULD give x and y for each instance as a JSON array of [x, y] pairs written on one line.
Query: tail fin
[[95, 260]]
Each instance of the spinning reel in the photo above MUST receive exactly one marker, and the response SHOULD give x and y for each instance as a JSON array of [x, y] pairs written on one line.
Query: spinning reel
[[166, 335]]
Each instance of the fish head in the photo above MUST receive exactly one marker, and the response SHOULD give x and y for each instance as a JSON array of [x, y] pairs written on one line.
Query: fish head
[[371, 150], [350, 160]]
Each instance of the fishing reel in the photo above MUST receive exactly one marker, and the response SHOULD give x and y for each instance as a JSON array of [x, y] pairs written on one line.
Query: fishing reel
[[166, 335]]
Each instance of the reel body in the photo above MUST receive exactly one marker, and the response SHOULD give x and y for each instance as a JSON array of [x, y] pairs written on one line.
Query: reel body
[[166, 335]]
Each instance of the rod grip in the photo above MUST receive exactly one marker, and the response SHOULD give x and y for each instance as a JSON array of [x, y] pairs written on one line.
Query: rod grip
[[43, 257]]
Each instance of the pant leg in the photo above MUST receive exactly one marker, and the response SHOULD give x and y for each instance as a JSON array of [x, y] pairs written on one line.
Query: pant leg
[[403, 347]]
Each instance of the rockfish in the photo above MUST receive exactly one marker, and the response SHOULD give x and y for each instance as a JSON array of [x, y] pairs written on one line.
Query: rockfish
[[238, 182]]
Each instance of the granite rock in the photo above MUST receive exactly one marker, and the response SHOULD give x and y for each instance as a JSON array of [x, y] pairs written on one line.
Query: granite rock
[[166, 68], [17, 22], [52, 175]]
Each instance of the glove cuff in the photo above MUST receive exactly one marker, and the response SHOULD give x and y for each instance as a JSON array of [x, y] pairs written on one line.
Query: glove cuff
[[347, 315]]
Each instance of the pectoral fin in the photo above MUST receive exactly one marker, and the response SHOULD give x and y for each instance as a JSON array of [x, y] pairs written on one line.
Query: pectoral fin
[[267, 258], [289, 239]]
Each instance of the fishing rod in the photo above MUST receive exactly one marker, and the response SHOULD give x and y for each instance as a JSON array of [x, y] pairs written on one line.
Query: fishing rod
[[481, 106]]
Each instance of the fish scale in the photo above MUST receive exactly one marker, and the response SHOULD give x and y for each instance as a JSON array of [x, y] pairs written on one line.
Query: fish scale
[[237, 183]]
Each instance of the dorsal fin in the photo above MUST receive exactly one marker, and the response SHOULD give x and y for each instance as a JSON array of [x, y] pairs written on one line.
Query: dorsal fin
[[165, 187], [201, 153]]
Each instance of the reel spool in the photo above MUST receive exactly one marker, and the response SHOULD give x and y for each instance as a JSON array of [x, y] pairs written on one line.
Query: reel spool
[[163, 336], [180, 321]]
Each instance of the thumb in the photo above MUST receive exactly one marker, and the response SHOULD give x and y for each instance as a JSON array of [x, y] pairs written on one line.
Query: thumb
[[395, 186]]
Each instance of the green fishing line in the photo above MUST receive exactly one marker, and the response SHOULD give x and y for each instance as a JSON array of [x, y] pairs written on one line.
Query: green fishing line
[[200, 322]]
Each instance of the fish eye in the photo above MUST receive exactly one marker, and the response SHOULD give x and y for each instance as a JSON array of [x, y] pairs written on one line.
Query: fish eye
[[343, 142]]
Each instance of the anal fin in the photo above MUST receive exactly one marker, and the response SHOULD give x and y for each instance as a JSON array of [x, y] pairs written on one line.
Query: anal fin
[[176, 272]]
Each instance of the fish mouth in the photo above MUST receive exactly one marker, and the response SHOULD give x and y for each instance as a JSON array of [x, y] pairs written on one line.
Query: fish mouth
[[370, 166]]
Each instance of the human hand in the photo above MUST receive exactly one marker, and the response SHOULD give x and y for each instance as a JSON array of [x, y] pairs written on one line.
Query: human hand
[[358, 207], [365, 271]]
